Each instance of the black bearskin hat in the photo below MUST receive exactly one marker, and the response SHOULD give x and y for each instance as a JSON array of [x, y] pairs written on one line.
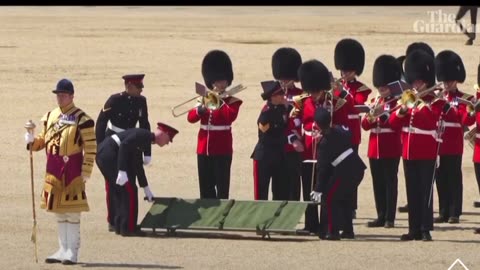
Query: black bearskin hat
[[419, 65], [216, 66], [314, 76], [386, 69], [285, 64], [449, 67], [415, 46], [349, 55]]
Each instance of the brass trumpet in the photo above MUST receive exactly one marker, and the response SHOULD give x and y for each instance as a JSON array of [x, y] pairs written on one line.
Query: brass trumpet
[[211, 100]]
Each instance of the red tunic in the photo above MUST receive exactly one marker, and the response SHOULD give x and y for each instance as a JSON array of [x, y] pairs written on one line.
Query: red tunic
[[359, 93], [384, 141], [419, 129], [215, 134]]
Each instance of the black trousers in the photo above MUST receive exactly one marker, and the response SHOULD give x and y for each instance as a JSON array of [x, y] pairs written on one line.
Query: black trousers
[[355, 192], [311, 213], [477, 174], [122, 201], [294, 173], [385, 186], [450, 186], [214, 176], [418, 177], [270, 168], [473, 17]]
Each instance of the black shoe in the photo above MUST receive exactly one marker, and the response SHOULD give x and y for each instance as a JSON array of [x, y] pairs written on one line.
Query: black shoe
[[469, 42], [411, 236], [332, 236], [476, 204], [375, 223], [50, 260], [68, 262], [440, 219], [322, 235], [389, 224], [133, 234], [111, 228], [306, 231], [477, 231], [354, 214], [426, 236], [454, 220], [347, 235], [403, 209]]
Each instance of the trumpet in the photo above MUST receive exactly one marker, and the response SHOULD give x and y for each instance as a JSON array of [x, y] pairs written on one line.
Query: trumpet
[[211, 100], [470, 136]]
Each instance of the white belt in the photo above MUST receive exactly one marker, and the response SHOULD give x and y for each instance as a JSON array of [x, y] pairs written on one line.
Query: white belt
[[382, 130], [451, 124], [353, 116], [116, 139], [477, 135], [114, 128], [419, 131], [209, 127], [307, 132], [342, 156], [310, 161]]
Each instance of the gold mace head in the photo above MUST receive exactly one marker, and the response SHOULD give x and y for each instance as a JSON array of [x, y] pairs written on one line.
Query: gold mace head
[[30, 126]]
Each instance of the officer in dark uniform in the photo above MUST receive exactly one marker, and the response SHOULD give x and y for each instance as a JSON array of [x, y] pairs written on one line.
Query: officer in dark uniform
[[125, 148], [339, 172], [122, 111], [269, 156]]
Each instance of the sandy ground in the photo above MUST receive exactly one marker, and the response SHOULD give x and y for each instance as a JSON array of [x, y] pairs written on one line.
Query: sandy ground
[[95, 46]]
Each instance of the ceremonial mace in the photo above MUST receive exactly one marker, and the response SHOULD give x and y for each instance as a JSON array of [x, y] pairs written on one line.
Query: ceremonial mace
[[30, 126]]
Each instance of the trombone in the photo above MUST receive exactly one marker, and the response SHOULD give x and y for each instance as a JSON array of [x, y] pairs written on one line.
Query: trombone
[[211, 100]]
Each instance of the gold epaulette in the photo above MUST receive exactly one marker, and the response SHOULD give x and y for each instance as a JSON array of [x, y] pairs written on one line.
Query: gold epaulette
[[363, 88], [298, 104]]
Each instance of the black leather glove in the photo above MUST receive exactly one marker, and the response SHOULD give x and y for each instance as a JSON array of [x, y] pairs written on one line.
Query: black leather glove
[[201, 110], [446, 107], [384, 117]]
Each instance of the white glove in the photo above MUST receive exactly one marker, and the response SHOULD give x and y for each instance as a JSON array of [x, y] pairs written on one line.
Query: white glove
[[148, 193], [122, 178], [316, 196], [29, 138], [147, 160], [85, 178]]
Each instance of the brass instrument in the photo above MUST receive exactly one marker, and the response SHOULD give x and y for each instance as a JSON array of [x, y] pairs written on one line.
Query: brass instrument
[[470, 136], [211, 100]]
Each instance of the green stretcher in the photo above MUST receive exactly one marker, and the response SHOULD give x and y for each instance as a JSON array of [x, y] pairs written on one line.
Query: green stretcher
[[263, 217]]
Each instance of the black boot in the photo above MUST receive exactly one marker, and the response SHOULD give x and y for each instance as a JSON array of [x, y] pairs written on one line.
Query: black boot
[[376, 223]]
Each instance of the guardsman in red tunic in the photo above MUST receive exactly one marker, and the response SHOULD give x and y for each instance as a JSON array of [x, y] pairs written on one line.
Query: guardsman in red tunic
[[269, 156], [285, 64], [420, 138], [315, 80], [214, 148], [350, 60], [476, 150], [412, 47], [450, 70], [384, 145]]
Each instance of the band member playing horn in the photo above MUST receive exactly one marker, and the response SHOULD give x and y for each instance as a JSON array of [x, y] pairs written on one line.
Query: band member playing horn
[[285, 64], [339, 172], [315, 80], [418, 120], [476, 150], [450, 70], [214, 147], [412, 47], [269, 156], [350, 60], [384, 145]]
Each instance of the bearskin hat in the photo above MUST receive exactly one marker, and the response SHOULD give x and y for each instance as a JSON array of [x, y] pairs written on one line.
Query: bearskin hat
[[415, 46], [216, 66], [285, 64], [349, 55], [419, 65], [314, 76], [449, 67], [386, 69]]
